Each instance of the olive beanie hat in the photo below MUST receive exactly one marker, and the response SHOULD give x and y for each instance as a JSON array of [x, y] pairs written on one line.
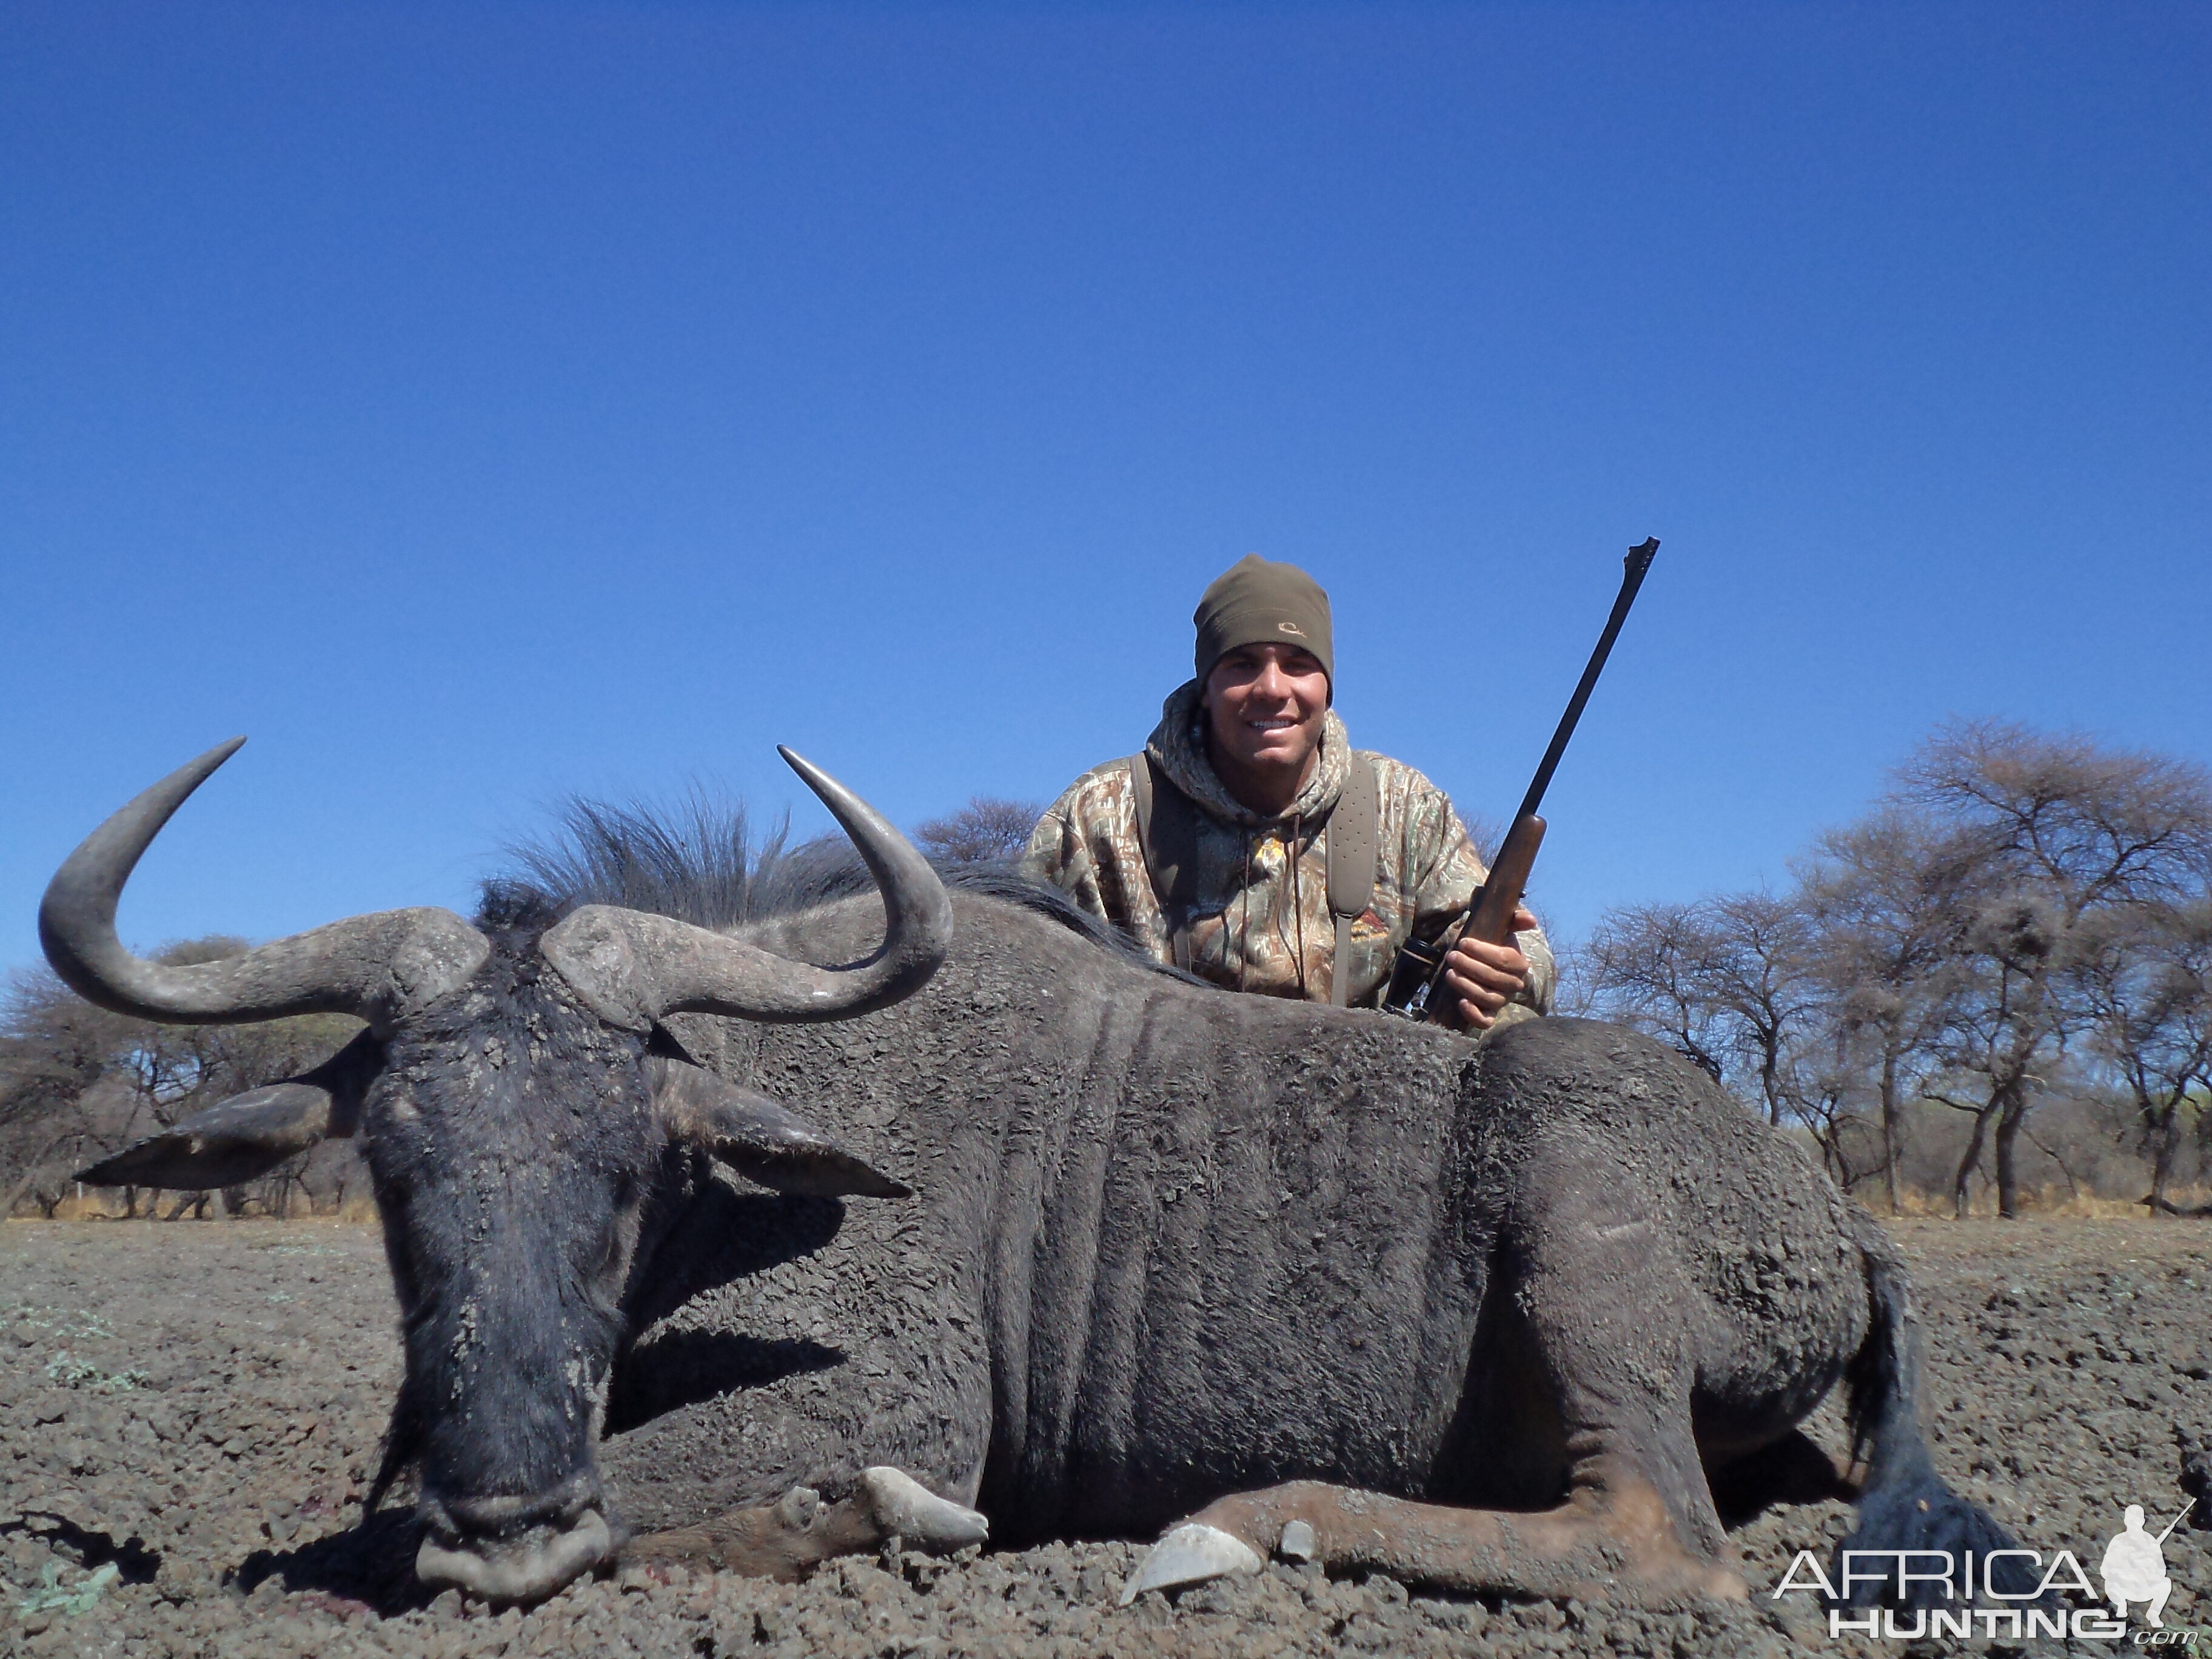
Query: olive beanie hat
[[1255, 601]]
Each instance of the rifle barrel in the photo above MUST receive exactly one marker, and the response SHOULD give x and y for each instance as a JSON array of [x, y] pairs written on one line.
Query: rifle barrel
[[1634, 568], [2176, 1522]]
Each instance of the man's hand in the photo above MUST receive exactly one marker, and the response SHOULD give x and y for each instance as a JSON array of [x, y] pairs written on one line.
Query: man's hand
[[1483, 978]]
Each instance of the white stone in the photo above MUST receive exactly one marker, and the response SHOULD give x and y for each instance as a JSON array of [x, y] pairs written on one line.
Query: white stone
[[1191, 1554]]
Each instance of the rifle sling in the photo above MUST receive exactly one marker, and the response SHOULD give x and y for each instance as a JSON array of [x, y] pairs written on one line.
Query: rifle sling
[[1167, 832], [1351, 856]]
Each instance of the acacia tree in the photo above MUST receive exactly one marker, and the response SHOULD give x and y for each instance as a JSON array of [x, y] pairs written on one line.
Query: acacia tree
[[2052, 835], [1729, 981], [1643, 966], [2147, 985], [54, 1047], [78, 1081], [987, 830], [1881, 912], [1763, 972], [2004, 1036], [2017, 904]]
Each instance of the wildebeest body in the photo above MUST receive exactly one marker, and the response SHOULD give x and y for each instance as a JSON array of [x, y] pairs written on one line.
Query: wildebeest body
[[1170, 1242], [1360, 1290]]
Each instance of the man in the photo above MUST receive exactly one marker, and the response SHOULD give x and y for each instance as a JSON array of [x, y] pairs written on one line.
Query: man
[[1251, 764]]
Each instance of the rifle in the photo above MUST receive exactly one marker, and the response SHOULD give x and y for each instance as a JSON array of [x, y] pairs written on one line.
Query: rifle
[[2176, 1522], [1420, 970]]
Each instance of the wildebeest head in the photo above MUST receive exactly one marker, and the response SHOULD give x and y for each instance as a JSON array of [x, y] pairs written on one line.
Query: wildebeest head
[[517, 1098]]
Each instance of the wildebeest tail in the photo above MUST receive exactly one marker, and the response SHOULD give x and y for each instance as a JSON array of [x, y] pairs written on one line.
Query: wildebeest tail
[[1903, 1505]]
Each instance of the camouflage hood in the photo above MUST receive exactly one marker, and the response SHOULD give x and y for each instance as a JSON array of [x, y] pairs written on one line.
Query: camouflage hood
[[1178, 744]]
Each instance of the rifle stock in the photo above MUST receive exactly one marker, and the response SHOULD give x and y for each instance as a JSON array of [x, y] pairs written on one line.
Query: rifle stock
[[1491, 919]]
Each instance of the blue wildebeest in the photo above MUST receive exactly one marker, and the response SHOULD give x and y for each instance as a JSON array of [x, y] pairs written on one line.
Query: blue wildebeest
[[1300, 1280], [529, 1141]]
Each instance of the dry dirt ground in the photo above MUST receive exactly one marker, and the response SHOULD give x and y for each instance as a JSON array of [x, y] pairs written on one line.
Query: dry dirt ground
[[189, 1414]]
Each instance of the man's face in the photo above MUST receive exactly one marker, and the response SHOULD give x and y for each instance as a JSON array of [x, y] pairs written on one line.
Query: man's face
[[1267, 703]]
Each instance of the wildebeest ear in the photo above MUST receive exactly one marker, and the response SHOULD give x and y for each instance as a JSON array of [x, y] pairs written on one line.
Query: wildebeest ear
[[763, 1140], [243, 1138]]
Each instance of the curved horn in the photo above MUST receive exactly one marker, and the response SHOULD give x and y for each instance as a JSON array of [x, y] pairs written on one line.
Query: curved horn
[[375, 966], [632, 968]]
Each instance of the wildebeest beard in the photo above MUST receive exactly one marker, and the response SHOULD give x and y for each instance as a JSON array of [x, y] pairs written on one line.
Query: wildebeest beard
[[510, 1220]]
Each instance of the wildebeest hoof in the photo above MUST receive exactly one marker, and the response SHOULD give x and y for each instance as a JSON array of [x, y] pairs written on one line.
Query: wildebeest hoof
[[798, 1507], [1192, 1554], [922, 1520], [1298, 1543]]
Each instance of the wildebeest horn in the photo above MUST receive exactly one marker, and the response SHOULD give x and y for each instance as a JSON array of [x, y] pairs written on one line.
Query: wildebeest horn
[[632, 968], [374, 966]]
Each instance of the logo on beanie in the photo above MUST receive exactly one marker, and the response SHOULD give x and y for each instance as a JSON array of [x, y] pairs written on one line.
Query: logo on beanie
[[1290, 627]]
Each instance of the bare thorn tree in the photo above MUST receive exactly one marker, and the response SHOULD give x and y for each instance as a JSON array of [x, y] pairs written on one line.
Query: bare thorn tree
[[1881, 904], [987, 830], [1729, 982], [2054, 832], [77, 1081], [2146, 982], [1643, 965]]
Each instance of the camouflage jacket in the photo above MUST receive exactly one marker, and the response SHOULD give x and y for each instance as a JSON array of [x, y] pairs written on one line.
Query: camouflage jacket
[[1261, 922]]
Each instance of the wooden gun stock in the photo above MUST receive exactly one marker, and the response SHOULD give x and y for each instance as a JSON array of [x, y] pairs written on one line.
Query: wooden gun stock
[[1491, 919], [1417, 983]]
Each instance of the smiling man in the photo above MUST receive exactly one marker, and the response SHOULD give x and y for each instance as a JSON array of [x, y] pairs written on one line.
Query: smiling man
[[1212, 849]]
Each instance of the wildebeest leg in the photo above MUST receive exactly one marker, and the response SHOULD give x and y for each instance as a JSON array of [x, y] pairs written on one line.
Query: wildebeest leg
[[789, 1539], [1606, 1315], [1612, 1540], [1616, 1327], [842, 1354], [1625, 1532]]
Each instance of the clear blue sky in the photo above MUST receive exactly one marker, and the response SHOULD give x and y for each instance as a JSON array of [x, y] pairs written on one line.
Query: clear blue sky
[[473, 403]]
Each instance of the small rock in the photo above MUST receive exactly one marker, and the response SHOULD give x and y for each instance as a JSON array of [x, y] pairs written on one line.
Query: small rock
[[1468, 1617], [1387, 1589]]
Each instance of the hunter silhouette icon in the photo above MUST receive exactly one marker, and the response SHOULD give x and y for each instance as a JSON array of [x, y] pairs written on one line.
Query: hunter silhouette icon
[[2133, 1568]]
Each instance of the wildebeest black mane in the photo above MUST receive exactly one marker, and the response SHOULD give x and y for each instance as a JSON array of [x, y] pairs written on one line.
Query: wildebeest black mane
[[701, 861]]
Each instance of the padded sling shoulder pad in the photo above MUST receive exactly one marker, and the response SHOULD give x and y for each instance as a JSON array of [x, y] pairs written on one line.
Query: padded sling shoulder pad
[[1351, 840], [1167, 833], [1351, 853]]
